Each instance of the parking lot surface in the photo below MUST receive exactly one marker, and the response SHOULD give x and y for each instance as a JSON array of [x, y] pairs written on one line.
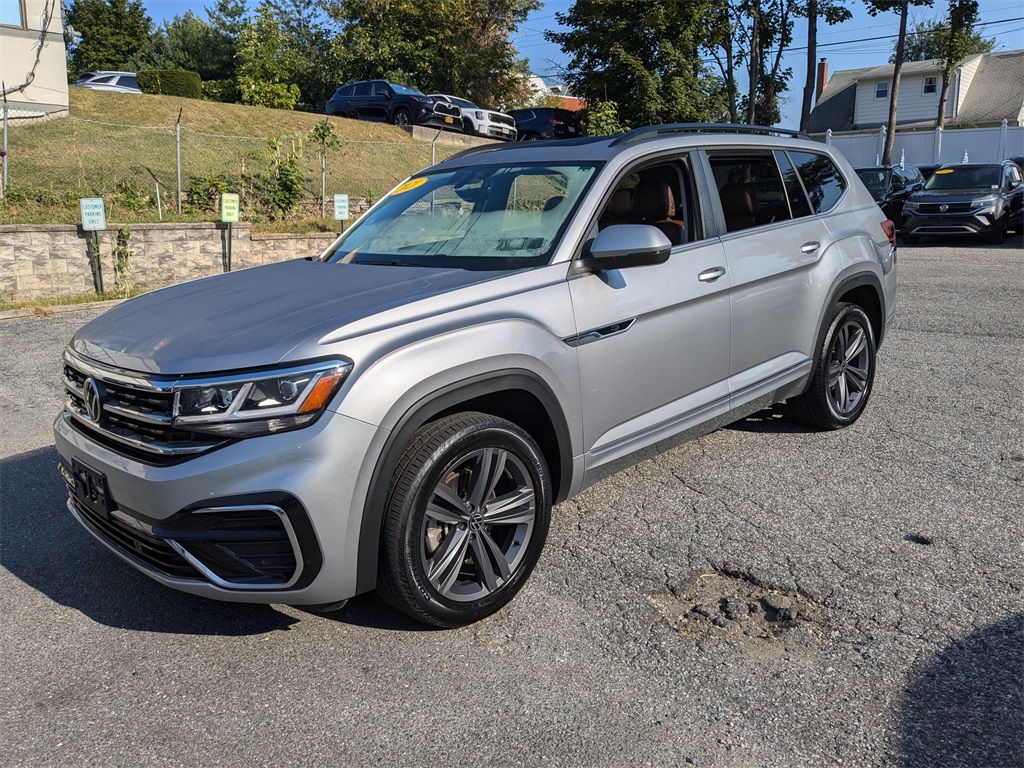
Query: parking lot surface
[[764, 596]]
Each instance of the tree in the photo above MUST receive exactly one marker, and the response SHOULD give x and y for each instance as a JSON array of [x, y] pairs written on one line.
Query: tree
[[960, 42], [643, 55], [928, 40], [876, 7], [453, 46], [309, 37], [115, 34], [228, 18], [264, 61], [833, 13], [188, 42]]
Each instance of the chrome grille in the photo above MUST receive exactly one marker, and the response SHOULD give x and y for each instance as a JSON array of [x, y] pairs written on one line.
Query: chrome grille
[[136, 413], [444, 108]]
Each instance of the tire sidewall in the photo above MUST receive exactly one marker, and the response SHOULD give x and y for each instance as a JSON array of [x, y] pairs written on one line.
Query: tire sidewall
[[497, 434], [845, 314]]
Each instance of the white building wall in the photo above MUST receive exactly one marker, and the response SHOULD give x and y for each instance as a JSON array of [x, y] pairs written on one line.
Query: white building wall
[[914, 103], [47, 81], [967, 72]]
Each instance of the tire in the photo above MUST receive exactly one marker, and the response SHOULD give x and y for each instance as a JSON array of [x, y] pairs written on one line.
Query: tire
[[844, 372], [443, 518], [910, 239], [531, 137], [998, 235], [401, 117]]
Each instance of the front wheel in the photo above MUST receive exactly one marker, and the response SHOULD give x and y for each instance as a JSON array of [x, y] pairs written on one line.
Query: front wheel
[[401, 117], [998, 235], [843, 374], [466, 518]]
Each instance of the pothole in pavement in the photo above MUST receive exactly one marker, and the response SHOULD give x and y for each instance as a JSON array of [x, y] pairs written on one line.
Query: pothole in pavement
[[735, 604]]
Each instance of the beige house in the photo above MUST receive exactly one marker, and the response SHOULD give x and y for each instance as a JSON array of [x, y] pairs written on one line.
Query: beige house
[[985, 90], [32, 58]]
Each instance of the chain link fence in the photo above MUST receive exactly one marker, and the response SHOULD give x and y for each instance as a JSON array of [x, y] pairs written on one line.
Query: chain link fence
[[139, 168]]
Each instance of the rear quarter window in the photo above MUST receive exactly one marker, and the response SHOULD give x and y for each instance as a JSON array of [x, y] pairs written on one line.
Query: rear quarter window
[[822, 179]]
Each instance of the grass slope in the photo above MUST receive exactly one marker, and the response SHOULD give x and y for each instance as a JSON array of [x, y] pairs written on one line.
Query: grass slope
[[114, 142]]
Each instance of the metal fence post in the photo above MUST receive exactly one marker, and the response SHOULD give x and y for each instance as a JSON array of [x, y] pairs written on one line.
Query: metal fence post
[[177, 139], [1002, 140], [6, 158]]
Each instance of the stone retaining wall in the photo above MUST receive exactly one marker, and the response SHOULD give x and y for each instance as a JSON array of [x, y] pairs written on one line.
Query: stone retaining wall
[[40, 261]]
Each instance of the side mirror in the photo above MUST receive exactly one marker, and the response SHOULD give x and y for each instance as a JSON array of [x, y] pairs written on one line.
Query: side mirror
[[622, 246]]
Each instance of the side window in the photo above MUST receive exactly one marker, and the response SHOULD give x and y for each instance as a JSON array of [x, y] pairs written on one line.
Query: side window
[[882, 90], [798, 202], [822, 180], [750, 188], [345, 91], [128, 81], [661, 196], [930, 85], [362, 89], [10, 13]]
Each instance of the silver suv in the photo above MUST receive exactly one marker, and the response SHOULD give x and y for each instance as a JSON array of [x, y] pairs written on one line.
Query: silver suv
[[495, 334]]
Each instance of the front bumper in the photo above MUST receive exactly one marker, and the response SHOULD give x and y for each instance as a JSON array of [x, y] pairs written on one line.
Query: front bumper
[[273, 519], [430, 118], [916, 223]]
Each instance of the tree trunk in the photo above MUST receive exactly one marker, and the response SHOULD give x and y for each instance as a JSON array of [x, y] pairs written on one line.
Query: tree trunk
[[755, 63], [812, 66], [947, 76], [894, 91]]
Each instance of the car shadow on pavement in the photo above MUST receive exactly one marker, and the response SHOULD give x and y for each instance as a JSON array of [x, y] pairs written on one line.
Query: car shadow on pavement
[[967, 706], [775, 419], [48, 550]]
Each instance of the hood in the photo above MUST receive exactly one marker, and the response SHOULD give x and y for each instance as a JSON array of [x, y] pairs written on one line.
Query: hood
[[952, 195], [253, 317]]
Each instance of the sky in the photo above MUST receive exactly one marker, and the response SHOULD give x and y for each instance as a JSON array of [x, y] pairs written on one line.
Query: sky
[[844, 45]]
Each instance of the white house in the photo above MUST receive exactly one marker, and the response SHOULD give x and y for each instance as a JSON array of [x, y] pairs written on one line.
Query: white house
[[32, 58], [986, 89]]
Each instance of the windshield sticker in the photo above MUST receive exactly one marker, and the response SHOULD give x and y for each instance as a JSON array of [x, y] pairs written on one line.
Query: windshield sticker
[[410, 184], [944, 171]]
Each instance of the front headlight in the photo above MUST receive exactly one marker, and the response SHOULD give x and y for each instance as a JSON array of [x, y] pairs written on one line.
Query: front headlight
[[912, 205], [248, 405], [984, 205], [480, 115]]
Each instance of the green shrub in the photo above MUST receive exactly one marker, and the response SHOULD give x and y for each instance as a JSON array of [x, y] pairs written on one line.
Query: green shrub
[[221, 90], [171, 82], [260, 93]]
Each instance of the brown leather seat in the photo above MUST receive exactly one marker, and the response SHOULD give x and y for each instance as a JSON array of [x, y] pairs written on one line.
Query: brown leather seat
[[654, 204], [739, 204], [619, 209]]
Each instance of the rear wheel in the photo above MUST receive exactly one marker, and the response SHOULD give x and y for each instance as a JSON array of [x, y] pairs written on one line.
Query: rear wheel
[[843, 373], [466, 518]]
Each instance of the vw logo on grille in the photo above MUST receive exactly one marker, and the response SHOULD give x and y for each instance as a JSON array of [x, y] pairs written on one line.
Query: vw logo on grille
[[93, 399], [943, 207]]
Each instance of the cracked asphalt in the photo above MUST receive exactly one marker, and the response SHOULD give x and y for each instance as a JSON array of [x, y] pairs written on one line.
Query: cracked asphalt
[[763, 596]]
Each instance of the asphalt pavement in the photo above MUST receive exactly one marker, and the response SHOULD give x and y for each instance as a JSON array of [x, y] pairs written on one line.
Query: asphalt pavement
[[764, 596]]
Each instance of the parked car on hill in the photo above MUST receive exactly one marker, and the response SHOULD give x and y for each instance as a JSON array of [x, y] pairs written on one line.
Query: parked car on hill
[[541, 123], [478, 121], [388, 102], [983, 199], [497, 333], [109, 80], [890, 186]]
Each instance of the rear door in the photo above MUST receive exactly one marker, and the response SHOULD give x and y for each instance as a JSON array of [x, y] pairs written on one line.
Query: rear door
[[773, 240]]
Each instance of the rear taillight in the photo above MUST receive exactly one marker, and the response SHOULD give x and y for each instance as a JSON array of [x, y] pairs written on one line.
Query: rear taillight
[[890, 230], [552, 121]]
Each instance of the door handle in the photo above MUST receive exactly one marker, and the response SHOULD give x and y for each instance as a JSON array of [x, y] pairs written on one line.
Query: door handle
[[810, 247], [710, 275]]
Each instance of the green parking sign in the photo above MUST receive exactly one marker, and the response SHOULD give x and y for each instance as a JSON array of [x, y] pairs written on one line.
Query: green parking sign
[[341, 207], [94, 215], [229, 207]]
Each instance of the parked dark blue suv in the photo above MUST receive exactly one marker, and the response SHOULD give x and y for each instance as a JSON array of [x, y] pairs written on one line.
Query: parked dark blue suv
[[387, 102]]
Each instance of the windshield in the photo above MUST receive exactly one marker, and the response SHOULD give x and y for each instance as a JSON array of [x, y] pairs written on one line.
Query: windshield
[[966, 177], [461, 102], [405, 90], [873, 178], [481, 217]]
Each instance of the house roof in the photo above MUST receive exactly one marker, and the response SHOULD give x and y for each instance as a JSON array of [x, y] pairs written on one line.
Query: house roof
[[996, 92]]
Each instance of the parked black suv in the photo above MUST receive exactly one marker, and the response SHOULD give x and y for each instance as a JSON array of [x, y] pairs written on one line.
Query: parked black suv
[[546, 123], [984, 199], [387, 102], [890, 186]]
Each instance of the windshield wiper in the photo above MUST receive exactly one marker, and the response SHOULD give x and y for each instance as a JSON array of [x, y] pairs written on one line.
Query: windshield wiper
[[387, 263]]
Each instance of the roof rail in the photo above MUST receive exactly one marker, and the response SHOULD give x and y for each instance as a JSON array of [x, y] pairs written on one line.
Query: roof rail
[[653, 131]]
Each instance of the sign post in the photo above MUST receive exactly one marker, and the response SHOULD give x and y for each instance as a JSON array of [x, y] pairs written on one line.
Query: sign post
[[229, 215], [94, 219], [341, 209]]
